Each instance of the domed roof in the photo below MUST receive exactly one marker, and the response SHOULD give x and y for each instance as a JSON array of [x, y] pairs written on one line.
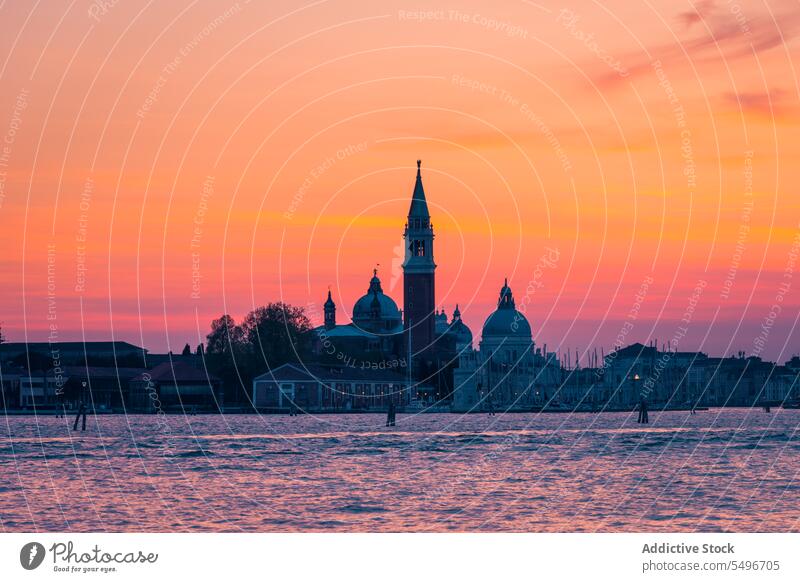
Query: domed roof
[[459, 329], [375, 304], [506, 321]]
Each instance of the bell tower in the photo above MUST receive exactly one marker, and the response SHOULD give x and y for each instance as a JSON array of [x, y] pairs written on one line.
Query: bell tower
[[419, 290], [330, 312]]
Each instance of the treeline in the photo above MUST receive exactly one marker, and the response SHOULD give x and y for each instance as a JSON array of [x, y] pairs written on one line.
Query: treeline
[[267, 337]]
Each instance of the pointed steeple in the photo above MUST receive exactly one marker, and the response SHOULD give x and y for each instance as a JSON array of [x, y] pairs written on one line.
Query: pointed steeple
[[329, 302], [419, 205], [375, 283], [330, 312], [419, 234], [506, 300]]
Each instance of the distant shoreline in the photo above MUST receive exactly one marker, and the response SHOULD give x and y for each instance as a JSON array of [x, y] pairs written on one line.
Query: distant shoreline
[[71, 413]]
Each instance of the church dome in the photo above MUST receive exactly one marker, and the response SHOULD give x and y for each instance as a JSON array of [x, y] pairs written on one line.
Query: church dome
[[459, 330], [506, 321], [376, 308]]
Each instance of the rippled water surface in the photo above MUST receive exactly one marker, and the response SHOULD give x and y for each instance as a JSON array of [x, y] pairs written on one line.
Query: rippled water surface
[[732, 470]]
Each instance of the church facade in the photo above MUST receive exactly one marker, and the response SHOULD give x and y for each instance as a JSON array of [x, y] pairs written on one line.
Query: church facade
[[507, 370]]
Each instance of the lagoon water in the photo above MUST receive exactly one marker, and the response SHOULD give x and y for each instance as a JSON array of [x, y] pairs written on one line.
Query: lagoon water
[[718, 470]]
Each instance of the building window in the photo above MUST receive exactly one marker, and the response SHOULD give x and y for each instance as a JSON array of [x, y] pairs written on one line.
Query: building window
[[287, 392]]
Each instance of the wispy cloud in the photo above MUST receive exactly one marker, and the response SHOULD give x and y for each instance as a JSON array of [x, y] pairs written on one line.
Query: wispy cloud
[[698, 14], [776, 102], [716, 35]]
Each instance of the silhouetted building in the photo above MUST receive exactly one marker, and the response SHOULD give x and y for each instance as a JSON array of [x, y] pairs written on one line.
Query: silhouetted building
[[9, 388], [320, 388], [176, 386], [375, 334], [419, 280], [781, 386], [40, 390], [382, 334], [507, 371], [100, 388], [74, 352], [330, 312]]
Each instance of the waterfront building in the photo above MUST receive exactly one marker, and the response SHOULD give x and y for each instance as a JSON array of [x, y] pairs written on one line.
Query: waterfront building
[[781, 386], [419, 337], [39, 390], [661, 377], [321, 388], [736, 381], [100, 388], [507, 371], [176, 386], [74, 352], [9, 388], [624, 372]]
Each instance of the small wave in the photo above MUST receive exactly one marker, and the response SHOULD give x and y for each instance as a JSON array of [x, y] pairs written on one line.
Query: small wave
[[358, 508], [187, 454]]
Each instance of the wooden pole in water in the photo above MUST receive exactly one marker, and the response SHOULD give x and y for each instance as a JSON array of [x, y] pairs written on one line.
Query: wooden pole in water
[[81, 411], [81, 408]]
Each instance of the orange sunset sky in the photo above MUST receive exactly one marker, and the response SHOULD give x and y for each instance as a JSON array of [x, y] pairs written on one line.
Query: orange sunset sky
[[163, 163]]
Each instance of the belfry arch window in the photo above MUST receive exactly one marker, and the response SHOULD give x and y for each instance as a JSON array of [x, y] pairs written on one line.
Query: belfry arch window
[[419, 248]]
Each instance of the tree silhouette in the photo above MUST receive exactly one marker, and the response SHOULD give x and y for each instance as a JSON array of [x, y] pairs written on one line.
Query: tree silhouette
[[268, 336], [277, 333], [225, 336]]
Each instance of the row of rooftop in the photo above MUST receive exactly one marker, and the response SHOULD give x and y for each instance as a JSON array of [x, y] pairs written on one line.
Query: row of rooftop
[[148, 382]]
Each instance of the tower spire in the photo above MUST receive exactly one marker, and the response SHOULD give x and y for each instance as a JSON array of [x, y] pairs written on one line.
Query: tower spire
[[419, 205], [419, 281], [330, 311]]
